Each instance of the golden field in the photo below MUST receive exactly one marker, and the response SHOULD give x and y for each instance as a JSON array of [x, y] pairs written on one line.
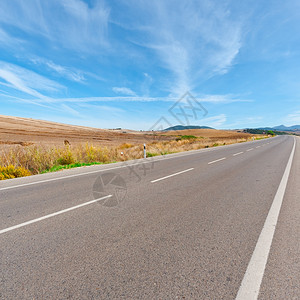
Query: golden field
[[36, 146]]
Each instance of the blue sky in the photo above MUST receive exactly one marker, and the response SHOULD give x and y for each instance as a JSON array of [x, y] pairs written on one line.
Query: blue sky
[[124, 63]]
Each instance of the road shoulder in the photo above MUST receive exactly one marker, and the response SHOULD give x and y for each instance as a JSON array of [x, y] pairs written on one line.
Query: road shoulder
[[282, 277]]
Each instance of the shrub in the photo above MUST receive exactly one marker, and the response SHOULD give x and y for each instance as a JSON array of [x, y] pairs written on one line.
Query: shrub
[[150, 154], [185, 137], [12, 172], [34, 159], [188, 137], [66, 157], [125, 146], [90, 152]]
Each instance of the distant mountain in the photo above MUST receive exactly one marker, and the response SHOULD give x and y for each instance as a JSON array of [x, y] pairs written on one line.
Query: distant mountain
[[287, 128], [266, 130], [281, 128], [181, 127]]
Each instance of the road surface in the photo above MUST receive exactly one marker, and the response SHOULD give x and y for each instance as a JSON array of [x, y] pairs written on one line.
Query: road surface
[[217, 223]]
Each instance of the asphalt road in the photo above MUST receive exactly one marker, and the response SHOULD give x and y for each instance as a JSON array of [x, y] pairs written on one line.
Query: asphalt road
[[184, 226]]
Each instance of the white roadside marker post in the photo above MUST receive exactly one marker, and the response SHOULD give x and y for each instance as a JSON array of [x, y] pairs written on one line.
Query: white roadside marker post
[[144, 150]]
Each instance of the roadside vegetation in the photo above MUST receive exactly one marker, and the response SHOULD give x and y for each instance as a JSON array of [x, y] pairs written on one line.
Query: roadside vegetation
[[19, 161], [11, 171], [264, 131], [185, 137]]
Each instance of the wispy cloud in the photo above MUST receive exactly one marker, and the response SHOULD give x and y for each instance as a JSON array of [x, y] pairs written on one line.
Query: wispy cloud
[[292, 119], [27, 101], [146, 84], [101, 108], [193, 42], [215, 121], [253, 120], [124, 91], [26, 81], [69, 73], [224, 99], [66, 72], [7, 40], [78, 25], [196, 40], [70, 110]]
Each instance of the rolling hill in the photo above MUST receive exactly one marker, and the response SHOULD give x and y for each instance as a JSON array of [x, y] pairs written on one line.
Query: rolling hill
[[181, 127]]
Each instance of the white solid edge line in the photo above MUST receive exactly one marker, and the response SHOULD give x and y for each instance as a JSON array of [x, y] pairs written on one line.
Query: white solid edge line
[[214, 161], [58, 178], [250, 286], [237, 153], [51, 215], [172, 175]]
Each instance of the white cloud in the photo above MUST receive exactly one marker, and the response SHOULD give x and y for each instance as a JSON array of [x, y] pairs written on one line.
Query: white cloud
[[70, 110], [69, 73], [66, 72], [146, 84], [124, 91], [194, 40], [292, 119], [26, 81], [253, 119], [112, 99], [7, 40], [27, 101], [17, 83], [74, 25], [224, 99], [215, 121]]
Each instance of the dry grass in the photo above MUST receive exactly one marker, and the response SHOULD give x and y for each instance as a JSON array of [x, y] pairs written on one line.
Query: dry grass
[[25, 132], [158, 148], [39, 146], [38, 159], [21, 131], [208, 133]]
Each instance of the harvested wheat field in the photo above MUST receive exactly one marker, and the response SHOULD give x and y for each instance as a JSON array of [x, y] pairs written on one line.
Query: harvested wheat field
[[30, 146], [208, 133], [25, 132], [22, 131]]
